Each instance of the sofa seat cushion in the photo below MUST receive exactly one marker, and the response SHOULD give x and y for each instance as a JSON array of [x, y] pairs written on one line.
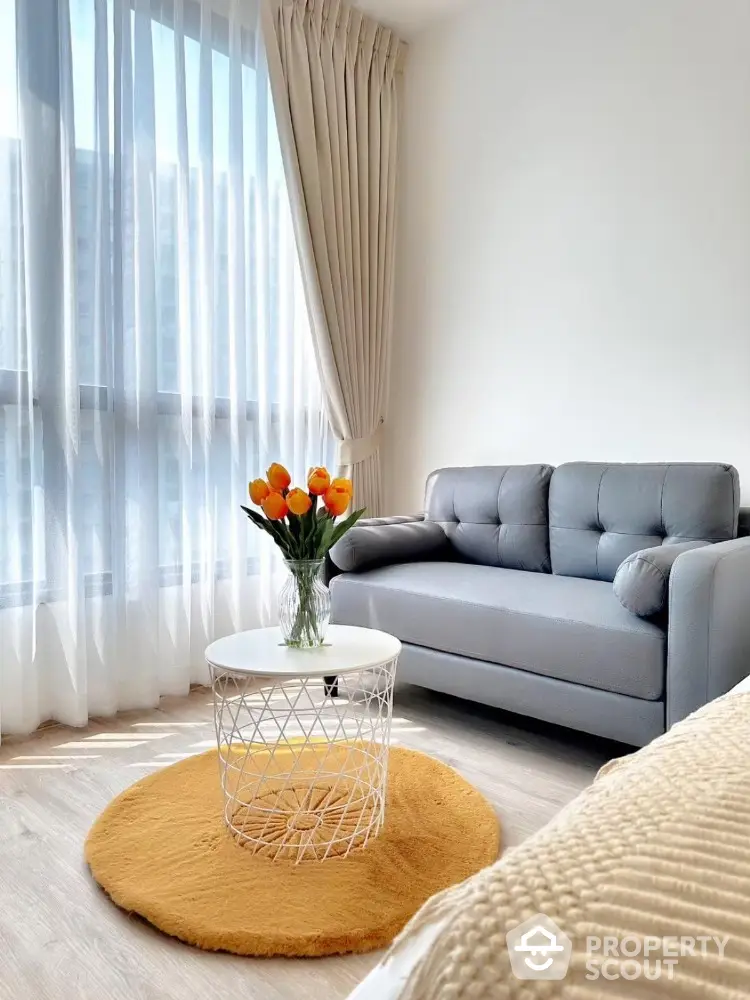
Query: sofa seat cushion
[[565, 627]]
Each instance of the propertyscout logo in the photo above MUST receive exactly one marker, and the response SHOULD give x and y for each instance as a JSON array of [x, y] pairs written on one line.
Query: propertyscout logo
[[647, 957], [539, 949]]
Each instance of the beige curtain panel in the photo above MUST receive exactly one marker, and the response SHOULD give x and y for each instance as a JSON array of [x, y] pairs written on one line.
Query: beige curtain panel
[[336, 78]]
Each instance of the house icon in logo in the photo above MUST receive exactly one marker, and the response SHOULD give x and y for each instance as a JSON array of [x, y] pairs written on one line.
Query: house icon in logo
[[538, 949]]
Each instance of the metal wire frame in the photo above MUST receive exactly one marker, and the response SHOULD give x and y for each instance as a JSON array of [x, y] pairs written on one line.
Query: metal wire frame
[[304, 773]]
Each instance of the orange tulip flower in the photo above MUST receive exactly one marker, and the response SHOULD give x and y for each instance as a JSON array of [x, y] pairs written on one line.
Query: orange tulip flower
[[278, 477], [336, 500], [343, 484], [318, 481], [275, 507], [258, 490], [298, 501]]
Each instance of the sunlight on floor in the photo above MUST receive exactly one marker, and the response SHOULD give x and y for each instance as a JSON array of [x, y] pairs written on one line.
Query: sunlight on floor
[[61, 756], [170, 725], [92, 744], [34, 767], [128, 736], [147, 734]]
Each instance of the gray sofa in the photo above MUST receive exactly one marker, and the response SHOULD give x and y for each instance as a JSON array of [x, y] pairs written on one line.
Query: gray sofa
[[502, 591]]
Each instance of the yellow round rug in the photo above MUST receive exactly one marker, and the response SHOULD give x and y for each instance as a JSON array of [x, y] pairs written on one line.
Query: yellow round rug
[[161, 850]]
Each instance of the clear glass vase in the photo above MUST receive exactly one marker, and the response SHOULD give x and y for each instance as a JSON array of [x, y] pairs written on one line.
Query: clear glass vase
[[304, 604]]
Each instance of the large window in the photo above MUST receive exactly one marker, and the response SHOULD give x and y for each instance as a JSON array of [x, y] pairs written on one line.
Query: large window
[[154, 350]]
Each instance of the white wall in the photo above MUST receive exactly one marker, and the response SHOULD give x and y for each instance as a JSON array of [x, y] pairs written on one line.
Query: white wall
[[574, 273]]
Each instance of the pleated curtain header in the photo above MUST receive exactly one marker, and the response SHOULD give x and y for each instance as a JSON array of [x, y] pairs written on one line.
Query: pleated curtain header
[[337, 22]]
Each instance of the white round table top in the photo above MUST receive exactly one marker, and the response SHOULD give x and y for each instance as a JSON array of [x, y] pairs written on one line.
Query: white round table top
[[262, 652]]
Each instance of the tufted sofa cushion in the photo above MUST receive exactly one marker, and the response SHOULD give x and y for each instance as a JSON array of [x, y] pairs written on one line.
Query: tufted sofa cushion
[[599, 514], [494, 515]]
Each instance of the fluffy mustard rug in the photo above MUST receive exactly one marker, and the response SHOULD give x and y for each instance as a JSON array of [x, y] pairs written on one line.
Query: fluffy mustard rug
[[161, 850]]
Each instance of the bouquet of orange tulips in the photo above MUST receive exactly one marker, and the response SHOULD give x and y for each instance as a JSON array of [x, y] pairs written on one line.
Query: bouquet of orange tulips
[[301, 527], [303, 524]]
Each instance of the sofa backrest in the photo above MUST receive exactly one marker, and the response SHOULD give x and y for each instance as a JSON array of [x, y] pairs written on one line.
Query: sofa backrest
[[495, 515], [601, 513]]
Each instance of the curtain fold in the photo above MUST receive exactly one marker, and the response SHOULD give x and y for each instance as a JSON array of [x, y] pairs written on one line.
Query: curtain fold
[[155, 352], [336, 78]]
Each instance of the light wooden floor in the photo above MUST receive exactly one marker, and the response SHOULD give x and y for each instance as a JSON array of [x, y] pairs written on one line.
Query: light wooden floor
[[61, 939]]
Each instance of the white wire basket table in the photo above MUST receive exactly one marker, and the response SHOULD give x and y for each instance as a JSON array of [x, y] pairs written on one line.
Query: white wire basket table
[[303, 737]]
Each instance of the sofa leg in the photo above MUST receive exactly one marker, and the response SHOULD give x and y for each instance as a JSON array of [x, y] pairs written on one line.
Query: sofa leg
[[331, 687]]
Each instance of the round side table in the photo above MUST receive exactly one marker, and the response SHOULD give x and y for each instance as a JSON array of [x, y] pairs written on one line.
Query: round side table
[[304, 757]]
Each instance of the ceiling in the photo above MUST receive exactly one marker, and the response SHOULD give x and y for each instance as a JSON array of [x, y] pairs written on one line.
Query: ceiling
[[408, 17]]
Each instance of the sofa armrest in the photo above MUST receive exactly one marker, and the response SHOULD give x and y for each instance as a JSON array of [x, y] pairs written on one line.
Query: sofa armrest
[[381, 541], [708, 645]]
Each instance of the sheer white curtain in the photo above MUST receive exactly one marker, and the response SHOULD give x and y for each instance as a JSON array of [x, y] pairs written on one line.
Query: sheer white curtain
[[154, 347]]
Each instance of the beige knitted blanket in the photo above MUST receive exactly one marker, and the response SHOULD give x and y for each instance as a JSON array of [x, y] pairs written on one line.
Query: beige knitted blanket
[[647, 872]]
